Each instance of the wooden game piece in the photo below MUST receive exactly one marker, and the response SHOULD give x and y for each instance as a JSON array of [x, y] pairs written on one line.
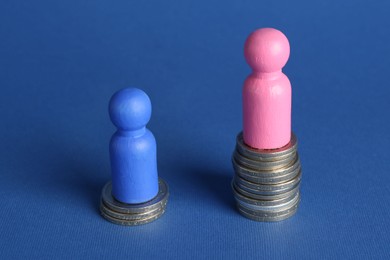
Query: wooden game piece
[[132, 148], [267, 91]]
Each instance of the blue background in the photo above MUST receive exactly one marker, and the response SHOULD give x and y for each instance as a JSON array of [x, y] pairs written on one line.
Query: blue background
[[60, 61]]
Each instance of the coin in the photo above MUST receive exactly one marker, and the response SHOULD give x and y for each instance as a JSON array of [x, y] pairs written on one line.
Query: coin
[[271, 173], [269, 189], [267, 218], [266, 182], [258, 202], [259, 209], [268, 154], [253, 176], [130, 217], [275, 212], [266, 197], [156, 202], [262, 165], [131, 222]]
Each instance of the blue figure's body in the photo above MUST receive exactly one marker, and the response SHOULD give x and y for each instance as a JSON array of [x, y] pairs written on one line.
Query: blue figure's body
[[132, 148]]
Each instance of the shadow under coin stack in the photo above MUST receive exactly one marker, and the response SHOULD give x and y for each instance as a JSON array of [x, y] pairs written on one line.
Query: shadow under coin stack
[[266, 183]]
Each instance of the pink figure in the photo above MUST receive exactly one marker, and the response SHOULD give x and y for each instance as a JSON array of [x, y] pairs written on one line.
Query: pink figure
[[267, 91]]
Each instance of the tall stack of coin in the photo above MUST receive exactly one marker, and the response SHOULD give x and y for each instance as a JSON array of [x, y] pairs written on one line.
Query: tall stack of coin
[[133, 214], [266, 182]]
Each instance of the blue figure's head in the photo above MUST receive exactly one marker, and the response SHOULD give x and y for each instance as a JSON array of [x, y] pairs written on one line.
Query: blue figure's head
[[130, 109]]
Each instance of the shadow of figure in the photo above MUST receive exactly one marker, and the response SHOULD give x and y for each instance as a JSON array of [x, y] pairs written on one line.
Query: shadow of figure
[[83, 181], [71, 174], [60, 173]]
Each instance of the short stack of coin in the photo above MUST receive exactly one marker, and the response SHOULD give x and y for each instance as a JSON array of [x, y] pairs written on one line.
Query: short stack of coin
[[266, 182], [133, 214]]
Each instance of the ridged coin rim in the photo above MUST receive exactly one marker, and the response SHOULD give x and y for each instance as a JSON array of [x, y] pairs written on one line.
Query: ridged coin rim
[[259, 202], [267, 173], [267, 197], [156, 202], [268, 180], [130, 216], [269, 187], [264, 213], [132, 222], [270, 209], [263, 166], [270, 219], [266, 154]]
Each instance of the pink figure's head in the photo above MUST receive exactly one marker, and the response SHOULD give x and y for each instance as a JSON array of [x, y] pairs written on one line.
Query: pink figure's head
[[267, 50]]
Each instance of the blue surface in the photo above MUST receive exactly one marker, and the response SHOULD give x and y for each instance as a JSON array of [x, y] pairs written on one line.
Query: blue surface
[[133, 149], [60, 61]]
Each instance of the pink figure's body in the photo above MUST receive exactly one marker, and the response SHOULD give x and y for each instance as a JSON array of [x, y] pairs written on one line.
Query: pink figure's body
[[267, 91]]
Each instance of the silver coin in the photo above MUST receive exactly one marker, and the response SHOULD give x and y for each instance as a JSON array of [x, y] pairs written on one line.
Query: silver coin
[[269, 209], [290, 173], [132, 222], [259, 156], [263, 218], [278, 201], [272, 213], [267, 197], [270, 180], [129, 216], [117, 206], [266, 189], [273, 173], [268, 154], [261, 165], [263, 192]]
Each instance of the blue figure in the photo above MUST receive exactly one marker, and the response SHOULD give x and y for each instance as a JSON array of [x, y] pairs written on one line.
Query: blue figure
[[132, 148]]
